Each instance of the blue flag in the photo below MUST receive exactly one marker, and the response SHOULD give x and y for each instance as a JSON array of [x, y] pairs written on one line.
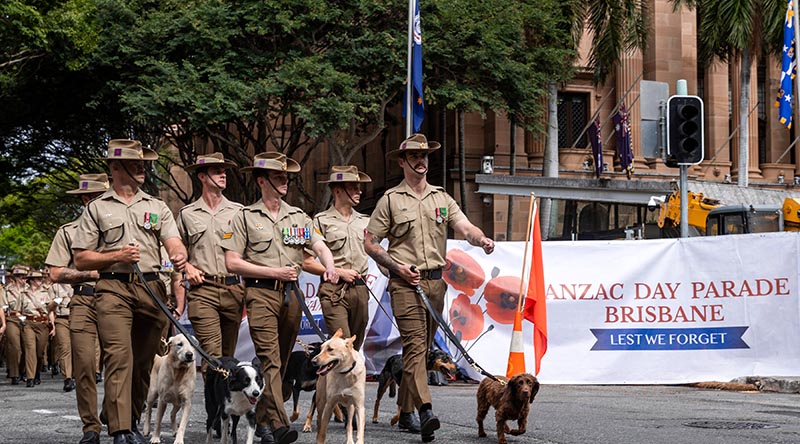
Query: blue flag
[[788, 69], [418, 102], [622, 127]]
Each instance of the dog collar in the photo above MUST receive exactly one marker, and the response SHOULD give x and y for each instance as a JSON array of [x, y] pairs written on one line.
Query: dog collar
[[350, 369]]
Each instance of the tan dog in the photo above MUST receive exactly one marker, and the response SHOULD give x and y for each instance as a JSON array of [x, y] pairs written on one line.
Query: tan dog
[[172, 381], [342, 380], [510, 401]]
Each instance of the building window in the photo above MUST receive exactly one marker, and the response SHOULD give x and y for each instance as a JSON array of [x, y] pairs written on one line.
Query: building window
[[573, 113]]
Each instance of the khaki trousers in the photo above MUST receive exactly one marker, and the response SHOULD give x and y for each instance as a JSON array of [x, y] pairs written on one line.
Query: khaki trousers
[[35, 338], [63, 347], [85, 354], [215, 314], [417, 329], [348, 311], [13, 346], [129, 324], [270, 319]]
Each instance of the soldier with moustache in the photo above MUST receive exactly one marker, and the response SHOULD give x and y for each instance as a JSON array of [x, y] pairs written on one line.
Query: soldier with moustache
[[214, 298], [79, 329], [267, 246], [345, 305], [16, 302], [415, 217], [123, 227], [36, 332]]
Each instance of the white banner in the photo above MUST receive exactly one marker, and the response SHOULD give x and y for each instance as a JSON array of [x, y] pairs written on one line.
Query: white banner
[[620, 312]]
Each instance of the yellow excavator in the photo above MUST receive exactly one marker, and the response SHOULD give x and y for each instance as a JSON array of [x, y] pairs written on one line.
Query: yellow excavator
[[707, 216]]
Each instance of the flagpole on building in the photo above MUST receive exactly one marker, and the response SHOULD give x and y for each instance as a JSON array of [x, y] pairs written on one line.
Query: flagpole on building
[[797, 58], [522, 282], [409, 86]]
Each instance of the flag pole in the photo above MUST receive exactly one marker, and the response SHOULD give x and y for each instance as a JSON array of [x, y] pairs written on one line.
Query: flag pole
[[796, 57], [409, 86], [520, 305]]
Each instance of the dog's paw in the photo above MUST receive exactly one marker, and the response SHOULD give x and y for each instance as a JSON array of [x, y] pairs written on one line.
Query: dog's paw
[[516, 432], [306, 429], [178, 441], [481, 434], [155, 440], [294, 416]]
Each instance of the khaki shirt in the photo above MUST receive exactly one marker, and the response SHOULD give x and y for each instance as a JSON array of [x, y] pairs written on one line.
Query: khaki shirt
[[108, 224], [274, 243], [416, 227], [35, 301], [345, 238], [15, 297], [202, 229], [60, 296], [60, 254]]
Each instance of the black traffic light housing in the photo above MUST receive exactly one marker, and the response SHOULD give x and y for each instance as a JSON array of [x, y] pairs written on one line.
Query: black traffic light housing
[[684, 130]]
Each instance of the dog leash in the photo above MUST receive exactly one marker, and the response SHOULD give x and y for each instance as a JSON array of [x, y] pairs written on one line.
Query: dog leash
[[213, 362], [443, 325], [383, 309], [292, 287]]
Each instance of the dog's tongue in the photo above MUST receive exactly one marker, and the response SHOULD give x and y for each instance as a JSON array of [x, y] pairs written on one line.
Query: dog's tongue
[[252, 400], [325, 369]]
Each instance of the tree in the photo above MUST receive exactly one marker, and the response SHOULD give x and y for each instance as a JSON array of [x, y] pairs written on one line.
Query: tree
[[737, 31]]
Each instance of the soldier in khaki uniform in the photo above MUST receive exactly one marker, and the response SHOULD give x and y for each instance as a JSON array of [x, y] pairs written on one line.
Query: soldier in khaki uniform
[[214, 310], [58, 314], [267, 247], [415, 217], [82, 328], [15, 322], [122, 227], [36, 332], [345, 305]]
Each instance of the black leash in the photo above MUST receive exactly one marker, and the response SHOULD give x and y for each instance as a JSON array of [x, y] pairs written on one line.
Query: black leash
[[213, 362], [443, 325], [292, 287], [383, 309]]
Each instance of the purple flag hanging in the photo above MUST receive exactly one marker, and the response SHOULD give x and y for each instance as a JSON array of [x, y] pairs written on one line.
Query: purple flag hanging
[[622, 127], [596, 139]]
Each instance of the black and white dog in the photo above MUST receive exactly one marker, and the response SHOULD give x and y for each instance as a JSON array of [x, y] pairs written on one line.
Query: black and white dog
[[233, 395]]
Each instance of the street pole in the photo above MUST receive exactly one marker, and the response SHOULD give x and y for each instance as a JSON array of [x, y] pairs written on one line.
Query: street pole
[[409, 95], [682, 90]]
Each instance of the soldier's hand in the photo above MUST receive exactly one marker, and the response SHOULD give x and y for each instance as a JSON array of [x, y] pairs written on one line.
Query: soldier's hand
[[287, 273], [194, 275], [487, 244], [410, 276], [129, 254], [52, 330], [178, 262], [348, 275], [2, 329], [331, 275]]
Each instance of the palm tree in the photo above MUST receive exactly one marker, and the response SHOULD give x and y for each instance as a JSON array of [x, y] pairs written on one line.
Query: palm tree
[[615, 26], [739, 30]]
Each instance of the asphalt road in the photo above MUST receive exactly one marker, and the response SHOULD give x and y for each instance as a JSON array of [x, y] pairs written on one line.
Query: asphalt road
[[560, 414]]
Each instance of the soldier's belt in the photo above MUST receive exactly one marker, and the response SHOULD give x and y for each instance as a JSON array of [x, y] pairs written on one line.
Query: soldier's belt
[[430, 275], [129, 278], [62, 317], [82, 290], [342, 283], [230, 279], [40, 319], [269, 284]]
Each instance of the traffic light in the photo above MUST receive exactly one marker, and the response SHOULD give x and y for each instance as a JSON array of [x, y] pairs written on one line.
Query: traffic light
[[684, 130]]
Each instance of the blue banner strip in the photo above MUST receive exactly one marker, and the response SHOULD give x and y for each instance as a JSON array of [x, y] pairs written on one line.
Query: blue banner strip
[[658, 339], [307, 329]]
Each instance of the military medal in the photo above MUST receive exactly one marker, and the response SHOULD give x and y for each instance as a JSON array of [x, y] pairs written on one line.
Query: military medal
[[438, 216], [147, 221], [285, 236]]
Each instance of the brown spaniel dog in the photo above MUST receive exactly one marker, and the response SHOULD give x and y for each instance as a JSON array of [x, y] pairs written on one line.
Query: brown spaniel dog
[[510, 401]]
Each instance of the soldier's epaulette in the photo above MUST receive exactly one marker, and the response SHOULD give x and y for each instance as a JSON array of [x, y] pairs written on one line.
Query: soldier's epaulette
[[438, 188]]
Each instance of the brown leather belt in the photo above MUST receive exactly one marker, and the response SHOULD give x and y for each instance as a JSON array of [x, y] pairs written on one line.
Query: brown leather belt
[[128, 278], [423, 274], [40, 319], [269, 284], [62, 317]]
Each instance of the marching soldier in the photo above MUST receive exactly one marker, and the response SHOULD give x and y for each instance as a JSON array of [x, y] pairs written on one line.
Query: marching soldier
[[215, 305], [36, 332], [58, 314], [118, 231], [267, 247], [15, 323], [345, 305], [82, 325], [415, 217]]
